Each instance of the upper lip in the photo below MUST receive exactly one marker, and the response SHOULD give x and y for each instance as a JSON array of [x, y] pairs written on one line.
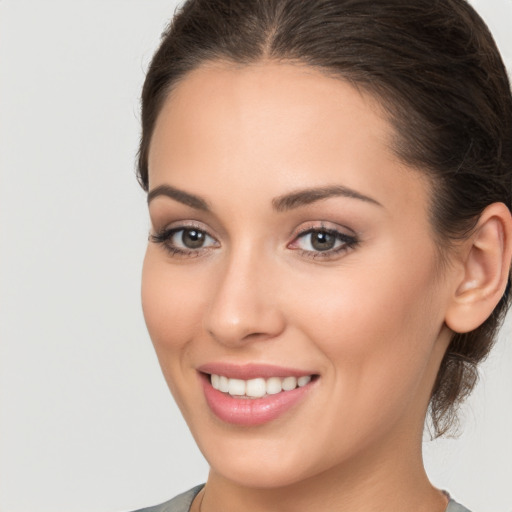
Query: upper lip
[[251, 370]]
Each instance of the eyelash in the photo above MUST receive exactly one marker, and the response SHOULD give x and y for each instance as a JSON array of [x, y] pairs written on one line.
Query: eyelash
[[164, 237], [348, 242]]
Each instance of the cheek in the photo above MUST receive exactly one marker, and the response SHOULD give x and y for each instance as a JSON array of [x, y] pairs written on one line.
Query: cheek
[[378, 327], [171, 302]]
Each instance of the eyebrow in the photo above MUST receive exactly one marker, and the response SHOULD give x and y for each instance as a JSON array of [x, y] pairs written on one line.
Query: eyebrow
[[280, 204], [181, 196], [311, 195]]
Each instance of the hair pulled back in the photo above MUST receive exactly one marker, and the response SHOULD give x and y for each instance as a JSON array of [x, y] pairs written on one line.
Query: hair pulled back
[[434, 67]]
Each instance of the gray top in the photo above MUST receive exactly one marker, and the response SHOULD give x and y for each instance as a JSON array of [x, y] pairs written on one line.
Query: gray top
[[182, 502]]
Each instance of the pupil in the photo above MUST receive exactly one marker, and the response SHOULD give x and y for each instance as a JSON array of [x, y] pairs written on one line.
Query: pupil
[[192, 238], [323, 241]]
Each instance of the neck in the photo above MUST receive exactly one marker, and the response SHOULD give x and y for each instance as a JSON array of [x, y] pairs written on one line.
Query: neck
[[372, 482]]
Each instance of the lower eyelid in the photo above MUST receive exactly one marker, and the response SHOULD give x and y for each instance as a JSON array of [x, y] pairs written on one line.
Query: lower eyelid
[[329, 254]]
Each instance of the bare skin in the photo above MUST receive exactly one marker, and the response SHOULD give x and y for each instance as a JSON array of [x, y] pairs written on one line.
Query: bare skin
[[369, 317]]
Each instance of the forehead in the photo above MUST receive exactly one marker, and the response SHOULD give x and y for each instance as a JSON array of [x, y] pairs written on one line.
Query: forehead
[[269, 102], [276, 127]]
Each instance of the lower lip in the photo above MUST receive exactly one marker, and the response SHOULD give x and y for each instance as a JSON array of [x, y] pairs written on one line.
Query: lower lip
[[251, 411]]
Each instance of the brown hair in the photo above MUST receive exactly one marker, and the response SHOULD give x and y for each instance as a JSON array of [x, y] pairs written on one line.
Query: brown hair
[[436, 70]]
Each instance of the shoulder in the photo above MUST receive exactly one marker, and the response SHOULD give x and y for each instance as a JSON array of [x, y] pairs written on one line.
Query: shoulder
[[453, 506], [180, 503]]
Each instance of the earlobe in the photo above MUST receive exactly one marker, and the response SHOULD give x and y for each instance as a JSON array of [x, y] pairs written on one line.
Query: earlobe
[[486, 267]]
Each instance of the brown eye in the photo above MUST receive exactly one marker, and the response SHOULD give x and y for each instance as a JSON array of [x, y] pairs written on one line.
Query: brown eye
[[184, 241], [192, 238], [322, 240]]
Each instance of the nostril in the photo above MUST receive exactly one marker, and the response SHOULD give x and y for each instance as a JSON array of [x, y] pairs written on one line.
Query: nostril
[[242, 309]]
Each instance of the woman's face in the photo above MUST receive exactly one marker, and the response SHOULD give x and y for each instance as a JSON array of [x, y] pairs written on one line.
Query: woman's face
[[290, 246]]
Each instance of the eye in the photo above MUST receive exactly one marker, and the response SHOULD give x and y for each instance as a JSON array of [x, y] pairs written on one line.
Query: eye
[[187, 241], [323, 242], [318, 241], [190, 238]]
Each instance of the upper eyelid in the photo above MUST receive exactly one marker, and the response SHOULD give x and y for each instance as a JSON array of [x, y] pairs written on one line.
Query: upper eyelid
[[338, 233], [304, 229], [179, 225], [312, 226], [171, 231]]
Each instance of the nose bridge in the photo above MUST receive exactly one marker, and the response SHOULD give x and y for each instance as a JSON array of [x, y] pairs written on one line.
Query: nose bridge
[[243, 305]]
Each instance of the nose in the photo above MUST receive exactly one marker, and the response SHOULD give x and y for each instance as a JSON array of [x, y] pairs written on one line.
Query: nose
[[244, 305]]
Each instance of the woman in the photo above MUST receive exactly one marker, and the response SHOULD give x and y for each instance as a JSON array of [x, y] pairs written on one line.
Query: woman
[[329, 186]]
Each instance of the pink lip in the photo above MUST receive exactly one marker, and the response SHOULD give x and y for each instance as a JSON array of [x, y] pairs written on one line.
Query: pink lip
[[251, 411], [251, 371]]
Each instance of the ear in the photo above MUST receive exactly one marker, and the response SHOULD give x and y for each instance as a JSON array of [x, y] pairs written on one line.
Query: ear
[[486, 258]]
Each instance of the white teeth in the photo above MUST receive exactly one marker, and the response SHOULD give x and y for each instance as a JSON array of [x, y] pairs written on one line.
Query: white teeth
[[274, 386], [288, 384], [302, 381], [223, 384], [257, 388], [236, 387]]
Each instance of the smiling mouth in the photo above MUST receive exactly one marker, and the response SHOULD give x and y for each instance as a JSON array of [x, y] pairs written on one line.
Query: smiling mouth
[[258, 387], [261, 397]]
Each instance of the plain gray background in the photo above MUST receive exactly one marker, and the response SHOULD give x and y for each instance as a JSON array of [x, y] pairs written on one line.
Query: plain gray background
[[86, 421]]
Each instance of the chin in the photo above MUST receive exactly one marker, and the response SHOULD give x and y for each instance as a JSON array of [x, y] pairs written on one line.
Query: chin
[[258, 474], [262, 458]]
